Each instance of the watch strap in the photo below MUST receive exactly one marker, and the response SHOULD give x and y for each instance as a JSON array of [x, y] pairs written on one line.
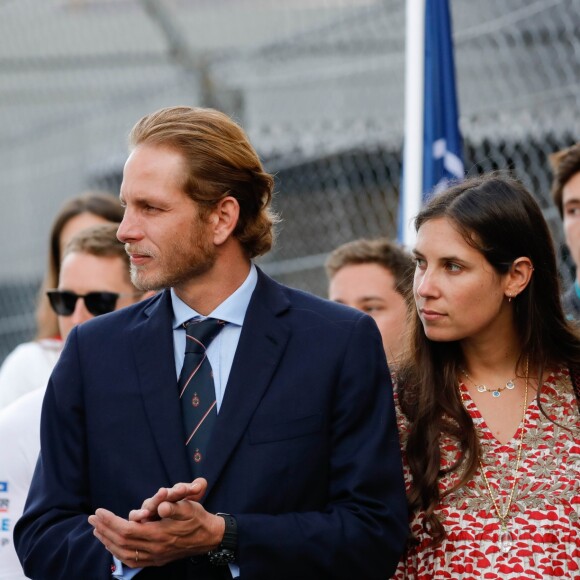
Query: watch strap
[[225, 553]]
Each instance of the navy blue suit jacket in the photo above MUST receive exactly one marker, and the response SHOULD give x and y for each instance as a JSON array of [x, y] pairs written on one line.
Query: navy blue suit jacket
[[305, 451]]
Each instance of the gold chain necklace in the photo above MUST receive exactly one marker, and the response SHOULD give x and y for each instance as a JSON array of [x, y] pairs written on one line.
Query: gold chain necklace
[[506, 539], [495, 391]]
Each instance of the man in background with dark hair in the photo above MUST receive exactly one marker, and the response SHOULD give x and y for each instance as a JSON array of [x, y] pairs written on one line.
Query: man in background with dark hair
[[264, 414], [566, 195]]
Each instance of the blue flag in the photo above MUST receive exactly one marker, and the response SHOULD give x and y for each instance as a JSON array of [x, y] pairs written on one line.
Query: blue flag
[[442, 143]]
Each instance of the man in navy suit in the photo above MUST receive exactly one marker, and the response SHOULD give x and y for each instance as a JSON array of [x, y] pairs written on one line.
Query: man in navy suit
[[301, 478]]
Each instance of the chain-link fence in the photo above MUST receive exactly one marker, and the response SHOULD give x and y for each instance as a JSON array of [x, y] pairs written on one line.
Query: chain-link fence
[[318, 85]]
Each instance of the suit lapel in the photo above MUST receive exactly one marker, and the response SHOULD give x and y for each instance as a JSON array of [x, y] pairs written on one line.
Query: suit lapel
[[153, 350], [262, 343]]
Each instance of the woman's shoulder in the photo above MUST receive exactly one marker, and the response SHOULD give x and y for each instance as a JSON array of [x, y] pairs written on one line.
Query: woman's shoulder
[[42, 346], [559, 398], [27, 367]]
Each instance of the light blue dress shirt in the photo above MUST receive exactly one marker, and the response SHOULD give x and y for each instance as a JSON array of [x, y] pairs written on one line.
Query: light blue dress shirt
[[220, 353]]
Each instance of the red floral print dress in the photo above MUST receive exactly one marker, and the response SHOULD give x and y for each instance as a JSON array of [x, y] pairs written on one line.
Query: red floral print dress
[[545, 512]]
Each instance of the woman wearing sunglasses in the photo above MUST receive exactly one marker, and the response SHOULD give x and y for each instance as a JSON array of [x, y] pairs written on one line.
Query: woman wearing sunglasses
[[94, 280], [28, 367]]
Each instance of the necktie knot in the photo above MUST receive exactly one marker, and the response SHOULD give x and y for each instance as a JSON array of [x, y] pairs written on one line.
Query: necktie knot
[[200, 333]]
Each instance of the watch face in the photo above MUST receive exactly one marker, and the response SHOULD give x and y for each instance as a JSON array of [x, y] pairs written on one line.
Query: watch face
[[221, 557]]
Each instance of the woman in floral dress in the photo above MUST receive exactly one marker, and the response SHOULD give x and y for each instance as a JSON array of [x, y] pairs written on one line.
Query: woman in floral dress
[[488, 416]]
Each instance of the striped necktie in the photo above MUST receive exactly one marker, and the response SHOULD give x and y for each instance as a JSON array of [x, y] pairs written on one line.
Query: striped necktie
[[197, 390]]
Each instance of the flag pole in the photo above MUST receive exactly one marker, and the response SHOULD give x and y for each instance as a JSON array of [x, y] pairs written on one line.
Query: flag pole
[[412, 193]]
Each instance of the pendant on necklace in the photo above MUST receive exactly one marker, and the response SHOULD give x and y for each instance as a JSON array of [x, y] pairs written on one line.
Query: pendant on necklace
[[495, 391], [506, 540]]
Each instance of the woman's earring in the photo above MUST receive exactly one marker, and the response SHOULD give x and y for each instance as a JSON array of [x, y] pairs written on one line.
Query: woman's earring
[[509, 297]]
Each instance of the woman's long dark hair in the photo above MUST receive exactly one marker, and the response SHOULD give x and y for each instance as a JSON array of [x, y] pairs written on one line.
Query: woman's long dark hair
[[500, 218]]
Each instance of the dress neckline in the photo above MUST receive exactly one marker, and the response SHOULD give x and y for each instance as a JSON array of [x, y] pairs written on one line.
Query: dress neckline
[[482, 425]]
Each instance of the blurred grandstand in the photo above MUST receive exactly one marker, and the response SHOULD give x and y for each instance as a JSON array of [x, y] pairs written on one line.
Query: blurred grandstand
[[318, 85]]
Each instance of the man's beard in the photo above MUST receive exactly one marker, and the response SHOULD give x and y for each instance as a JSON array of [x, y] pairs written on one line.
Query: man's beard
[[184, 260]]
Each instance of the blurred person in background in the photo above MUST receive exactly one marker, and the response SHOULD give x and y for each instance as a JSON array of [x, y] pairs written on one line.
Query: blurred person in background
[[29, 365], [374, 276], [490, 428], [278, 459], [566, 195], [94, 279]]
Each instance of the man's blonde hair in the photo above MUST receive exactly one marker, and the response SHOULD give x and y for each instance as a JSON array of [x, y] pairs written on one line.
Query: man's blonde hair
[[219, 162]]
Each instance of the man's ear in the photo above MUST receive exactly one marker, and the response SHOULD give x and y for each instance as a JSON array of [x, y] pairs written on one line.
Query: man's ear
[[224, 219], [518, 277]]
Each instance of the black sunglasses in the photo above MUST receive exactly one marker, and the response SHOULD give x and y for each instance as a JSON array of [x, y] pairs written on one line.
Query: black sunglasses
[[63, 302]]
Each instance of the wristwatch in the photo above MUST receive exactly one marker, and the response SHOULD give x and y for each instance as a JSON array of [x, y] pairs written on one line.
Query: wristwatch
[[225, 553]]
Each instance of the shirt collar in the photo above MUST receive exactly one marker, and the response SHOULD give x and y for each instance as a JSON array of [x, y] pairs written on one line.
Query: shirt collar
[[232, 309]]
